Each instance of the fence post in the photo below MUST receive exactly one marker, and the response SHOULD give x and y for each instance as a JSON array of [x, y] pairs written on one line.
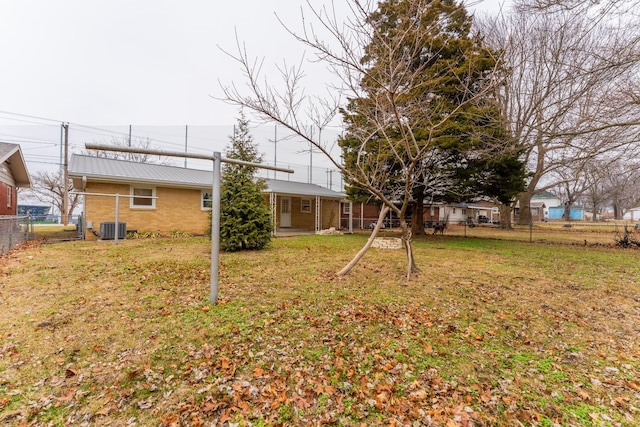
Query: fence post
[[11, 225]]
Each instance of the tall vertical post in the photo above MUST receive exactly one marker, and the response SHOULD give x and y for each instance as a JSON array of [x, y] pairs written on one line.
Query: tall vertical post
[[275, 150], [61, 146], [129, 141], [215, 227], [65, 177], [115, 236], [186, 134]]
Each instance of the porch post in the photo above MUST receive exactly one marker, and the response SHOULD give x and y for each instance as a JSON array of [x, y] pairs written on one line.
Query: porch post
[[273, 201], [350, 217], [318, 217]]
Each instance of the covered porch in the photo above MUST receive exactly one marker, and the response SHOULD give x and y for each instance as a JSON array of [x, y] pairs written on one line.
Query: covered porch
[[299, 208]]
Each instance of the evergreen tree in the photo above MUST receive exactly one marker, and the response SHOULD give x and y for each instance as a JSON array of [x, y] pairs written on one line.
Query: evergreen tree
[[245, 218], [451, 129]]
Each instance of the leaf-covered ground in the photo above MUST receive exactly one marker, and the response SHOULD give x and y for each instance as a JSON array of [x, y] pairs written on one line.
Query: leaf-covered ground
[[490, 333]]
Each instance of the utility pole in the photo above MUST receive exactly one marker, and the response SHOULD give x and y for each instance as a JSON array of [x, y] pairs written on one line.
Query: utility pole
[[186, 139], [275, 150], [65, 177]]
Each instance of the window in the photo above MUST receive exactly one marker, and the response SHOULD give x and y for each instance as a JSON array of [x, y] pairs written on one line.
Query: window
[[206, 200], [432, 212], [143, 197], [305, 205], [454, 211], [9, 196], [346, 208]]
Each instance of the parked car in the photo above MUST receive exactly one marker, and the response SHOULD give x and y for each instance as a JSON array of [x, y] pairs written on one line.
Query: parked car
[[482, 219]]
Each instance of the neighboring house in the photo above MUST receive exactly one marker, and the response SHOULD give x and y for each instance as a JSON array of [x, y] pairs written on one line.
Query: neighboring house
[[455, 213], [364, 215], [541, 203], [576, 213], [632, 215], [13, 175], [160, 198]]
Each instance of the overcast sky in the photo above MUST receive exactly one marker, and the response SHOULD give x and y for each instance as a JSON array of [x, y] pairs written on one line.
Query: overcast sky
[[142, 62]]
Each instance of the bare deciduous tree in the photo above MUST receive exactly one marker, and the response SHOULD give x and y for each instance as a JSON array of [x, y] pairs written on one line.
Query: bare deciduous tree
[[566, 94], [47, 187], [143, 143]]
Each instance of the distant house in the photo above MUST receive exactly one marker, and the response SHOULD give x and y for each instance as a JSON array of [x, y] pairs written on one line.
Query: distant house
[[160, 198], [541, 203], [576, 213], [364, 215], [462, 212], [13, 175], [632, 214]]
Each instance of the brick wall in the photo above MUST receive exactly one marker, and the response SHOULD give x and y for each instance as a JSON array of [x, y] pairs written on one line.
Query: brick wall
[[4, 210], [176, 209], [330, 214]]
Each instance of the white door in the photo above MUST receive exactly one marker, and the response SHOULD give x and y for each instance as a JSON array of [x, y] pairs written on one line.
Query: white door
[[285, 212]]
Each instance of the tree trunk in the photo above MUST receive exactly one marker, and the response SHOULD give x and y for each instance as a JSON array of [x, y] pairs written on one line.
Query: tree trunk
[[406, 238], [505, 216], [365, 248], [567, 211], [417, 219], [525, 208], [617, 211]]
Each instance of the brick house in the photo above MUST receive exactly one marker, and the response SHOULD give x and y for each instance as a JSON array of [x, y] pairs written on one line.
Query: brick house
[[13, 175], [160, 198]]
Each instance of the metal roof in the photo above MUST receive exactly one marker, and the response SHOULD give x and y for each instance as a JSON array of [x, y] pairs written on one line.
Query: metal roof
[[299, 188], [111, 170], [12, 155], [102, 169]]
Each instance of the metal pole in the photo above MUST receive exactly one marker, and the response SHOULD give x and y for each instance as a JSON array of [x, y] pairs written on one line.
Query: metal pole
[[530, 231], [186, 133], [215, 197], [215, 227], [65, 177], [115, 236]]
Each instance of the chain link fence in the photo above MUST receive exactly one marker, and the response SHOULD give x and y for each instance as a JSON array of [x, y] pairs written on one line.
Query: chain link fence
[[14, 231]]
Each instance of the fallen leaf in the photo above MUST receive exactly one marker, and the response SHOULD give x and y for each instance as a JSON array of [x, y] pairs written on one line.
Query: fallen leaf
[[170, 420]]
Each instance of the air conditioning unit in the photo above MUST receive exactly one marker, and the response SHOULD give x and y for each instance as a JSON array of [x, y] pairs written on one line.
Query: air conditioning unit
[[108, 230]]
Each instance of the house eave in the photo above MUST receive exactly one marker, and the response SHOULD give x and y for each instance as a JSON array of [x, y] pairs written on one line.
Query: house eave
[[15, 162]]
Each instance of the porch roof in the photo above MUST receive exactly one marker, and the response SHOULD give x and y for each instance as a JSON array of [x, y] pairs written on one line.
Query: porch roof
[[301, 189]]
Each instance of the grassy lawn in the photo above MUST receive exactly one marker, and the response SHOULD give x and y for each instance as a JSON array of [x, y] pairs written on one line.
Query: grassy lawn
[[490, 333]]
